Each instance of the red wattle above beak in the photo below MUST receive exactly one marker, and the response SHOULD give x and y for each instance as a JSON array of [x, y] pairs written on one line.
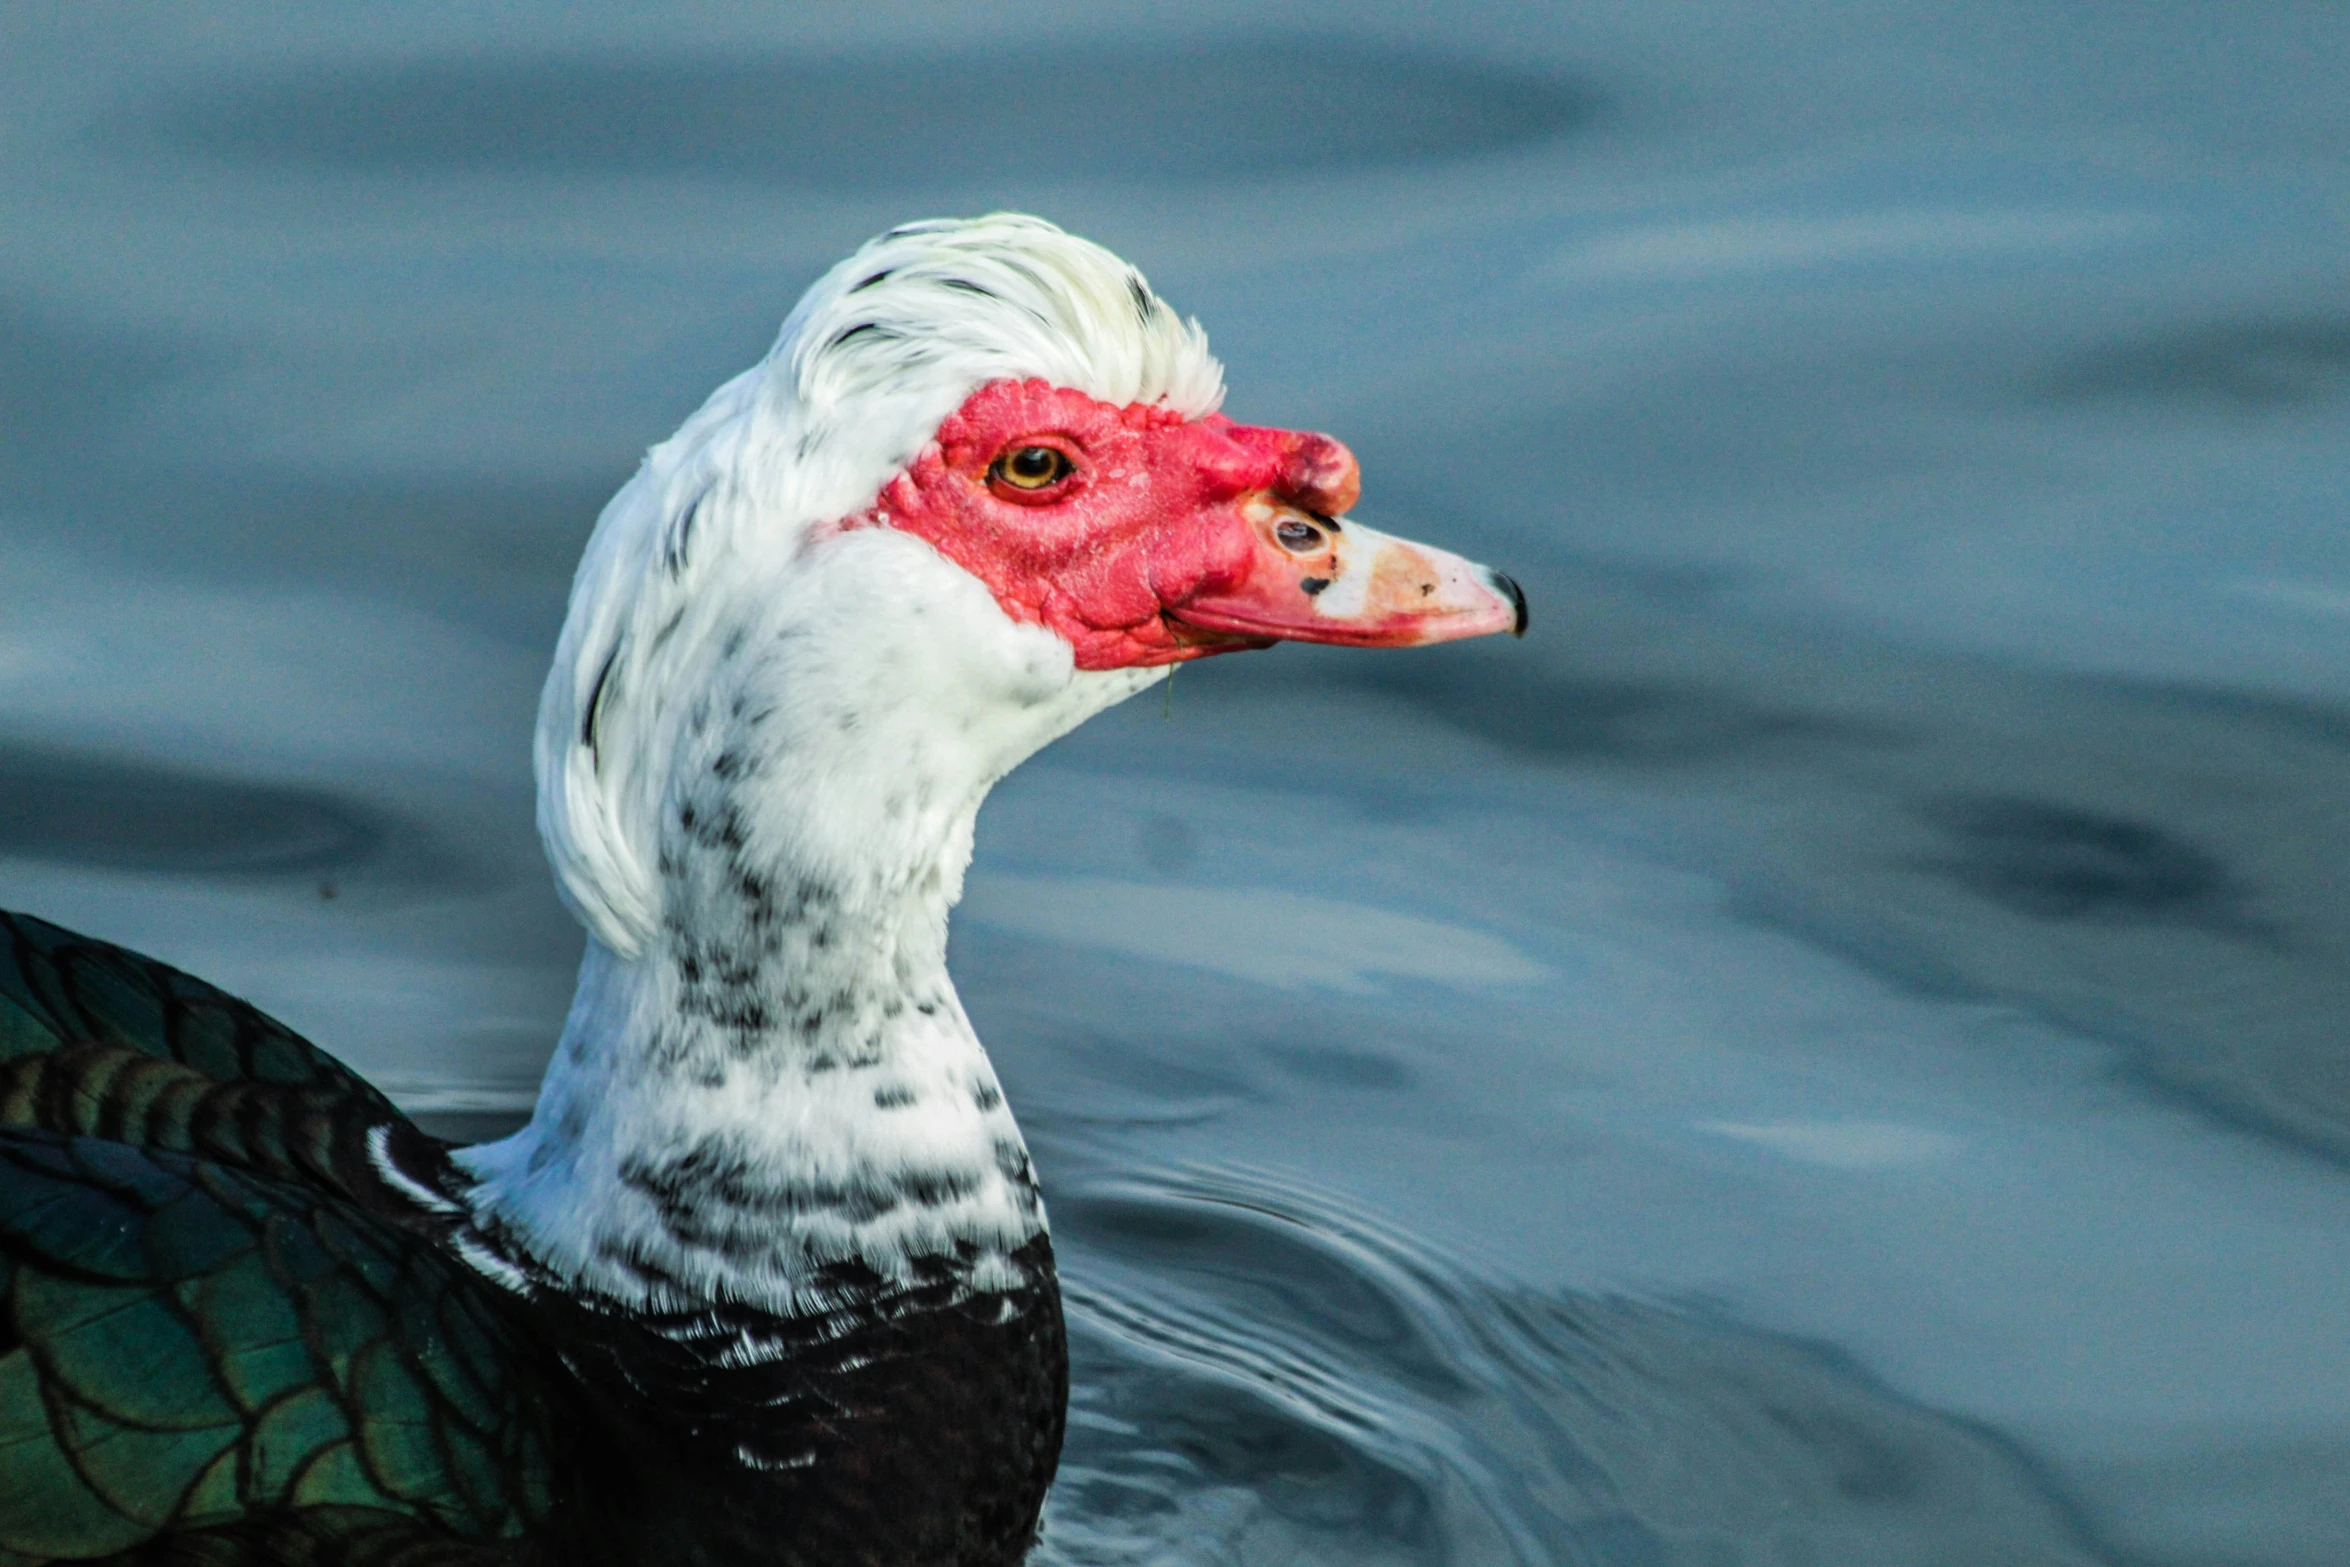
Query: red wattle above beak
[[1310, 578]]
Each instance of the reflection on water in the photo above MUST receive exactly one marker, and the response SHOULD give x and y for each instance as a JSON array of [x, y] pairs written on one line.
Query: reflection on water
[[2252, 364], [1266, 1378], [134, 816], [1265, 935], [1830, 1051], [1181, 109], [2060, 864]]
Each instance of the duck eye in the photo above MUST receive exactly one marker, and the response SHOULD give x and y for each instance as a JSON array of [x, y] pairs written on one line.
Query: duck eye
[[1034, 467], [1299, 538]]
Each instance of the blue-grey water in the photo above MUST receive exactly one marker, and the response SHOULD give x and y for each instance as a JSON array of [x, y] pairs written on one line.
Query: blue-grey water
[[1836, 1049]]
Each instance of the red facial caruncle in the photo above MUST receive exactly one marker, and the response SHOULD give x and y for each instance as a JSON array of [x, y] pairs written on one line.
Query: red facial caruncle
[[1143, 538]]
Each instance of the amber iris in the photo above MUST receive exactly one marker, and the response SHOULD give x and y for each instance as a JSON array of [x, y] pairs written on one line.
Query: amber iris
[[1033, 467]]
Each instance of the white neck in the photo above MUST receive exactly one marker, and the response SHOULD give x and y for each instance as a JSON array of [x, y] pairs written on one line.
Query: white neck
[[784, 1080], [780, 1080]]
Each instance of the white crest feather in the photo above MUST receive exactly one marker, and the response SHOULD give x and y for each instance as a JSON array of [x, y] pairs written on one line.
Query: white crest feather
[[881, 349]]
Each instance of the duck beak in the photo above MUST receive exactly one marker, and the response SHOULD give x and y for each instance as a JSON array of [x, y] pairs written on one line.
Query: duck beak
[[1311, 578]]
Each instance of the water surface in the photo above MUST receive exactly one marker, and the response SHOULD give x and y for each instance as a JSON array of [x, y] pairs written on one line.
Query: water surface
[[1830, 1051]]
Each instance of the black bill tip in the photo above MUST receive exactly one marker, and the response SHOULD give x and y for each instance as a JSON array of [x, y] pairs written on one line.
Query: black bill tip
[[1510, 590]]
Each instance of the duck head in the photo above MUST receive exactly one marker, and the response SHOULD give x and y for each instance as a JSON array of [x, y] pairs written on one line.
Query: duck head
[[978, 491]]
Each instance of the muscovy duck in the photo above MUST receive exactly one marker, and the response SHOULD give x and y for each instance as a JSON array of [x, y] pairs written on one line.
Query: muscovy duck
[[767, 1277]]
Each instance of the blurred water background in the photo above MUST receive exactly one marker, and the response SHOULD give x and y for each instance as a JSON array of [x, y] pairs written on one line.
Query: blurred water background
[[1831, 1051]]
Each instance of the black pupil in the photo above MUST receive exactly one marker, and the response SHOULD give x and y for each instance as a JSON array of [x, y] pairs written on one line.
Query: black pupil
[[1298, 535], [1035, 464]]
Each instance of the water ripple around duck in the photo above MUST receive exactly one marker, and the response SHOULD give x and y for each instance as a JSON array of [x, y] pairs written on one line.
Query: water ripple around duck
[[1265, 1375]]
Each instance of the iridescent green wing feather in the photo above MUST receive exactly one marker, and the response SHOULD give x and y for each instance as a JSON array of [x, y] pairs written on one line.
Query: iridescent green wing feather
[[58, 988], [228, 1331], [100, 1042], [191, 1348]]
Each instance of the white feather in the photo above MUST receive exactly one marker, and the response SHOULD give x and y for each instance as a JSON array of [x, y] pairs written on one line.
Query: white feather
[[810, 435], [760, 752]]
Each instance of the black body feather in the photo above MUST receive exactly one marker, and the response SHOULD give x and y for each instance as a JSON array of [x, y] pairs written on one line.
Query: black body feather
[[239, 1328]]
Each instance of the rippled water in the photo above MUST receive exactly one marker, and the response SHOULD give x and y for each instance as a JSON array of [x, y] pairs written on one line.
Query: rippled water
[[1831, 1051]]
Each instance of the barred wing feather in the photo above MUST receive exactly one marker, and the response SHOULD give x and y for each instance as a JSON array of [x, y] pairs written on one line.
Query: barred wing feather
[[224, 1338]]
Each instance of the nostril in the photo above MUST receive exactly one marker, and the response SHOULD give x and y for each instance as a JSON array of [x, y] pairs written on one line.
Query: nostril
[[1299, 538]]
